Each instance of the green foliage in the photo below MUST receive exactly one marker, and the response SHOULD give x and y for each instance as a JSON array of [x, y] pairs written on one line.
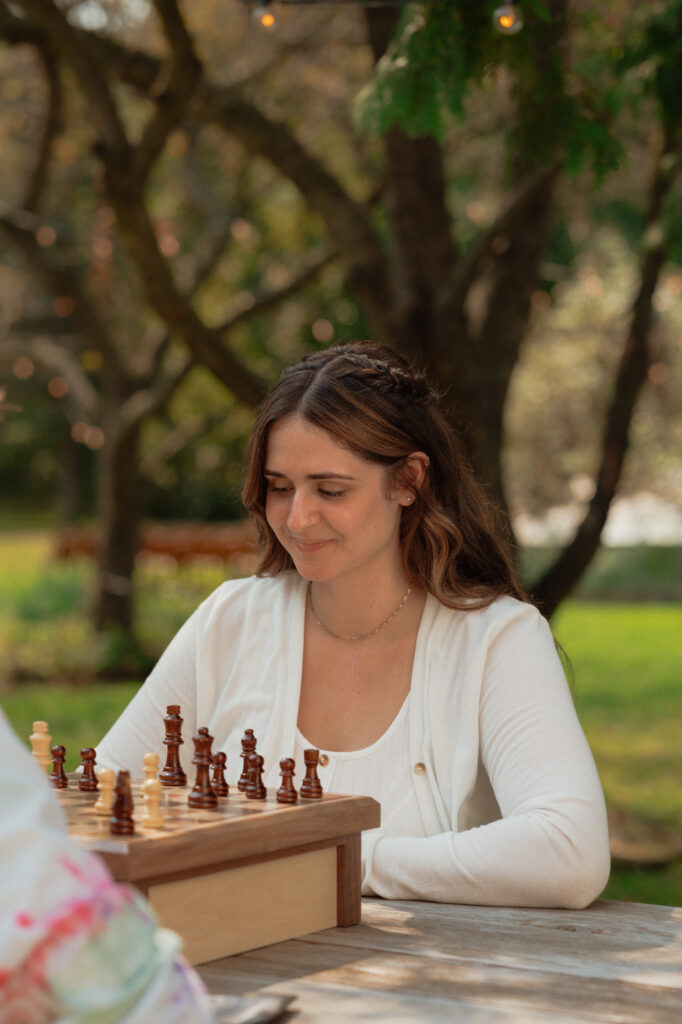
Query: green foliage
[[45, 633], [441, 53], [657, 885], [438, 51], [629, 700], [77, 716], [40, 600], [656, 55]]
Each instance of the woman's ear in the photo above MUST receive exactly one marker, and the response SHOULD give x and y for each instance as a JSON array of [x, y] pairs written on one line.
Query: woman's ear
[[416, 467]]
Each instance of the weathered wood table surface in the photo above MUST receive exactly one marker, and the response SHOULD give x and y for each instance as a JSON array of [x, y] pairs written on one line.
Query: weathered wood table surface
[[421, 962]]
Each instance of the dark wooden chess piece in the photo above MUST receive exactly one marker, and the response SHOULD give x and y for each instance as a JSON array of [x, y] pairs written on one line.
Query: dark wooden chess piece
[[88, 779], [286, 794], [173, 774], [311, 787], [58, 776], [202, 796], [121, 821], [218, 780], [248, 748], [255, 789]]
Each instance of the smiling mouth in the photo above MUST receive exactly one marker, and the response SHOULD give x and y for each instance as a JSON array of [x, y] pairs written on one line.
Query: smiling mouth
[[309, 545]]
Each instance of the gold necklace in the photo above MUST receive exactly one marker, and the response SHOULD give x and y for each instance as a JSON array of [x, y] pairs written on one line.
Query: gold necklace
[[358, 636]]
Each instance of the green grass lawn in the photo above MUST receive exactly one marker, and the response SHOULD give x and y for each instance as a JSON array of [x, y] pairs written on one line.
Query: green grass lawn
[[626, 662]]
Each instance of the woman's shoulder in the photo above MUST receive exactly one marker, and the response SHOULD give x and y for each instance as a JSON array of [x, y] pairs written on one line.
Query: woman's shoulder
[[478, 623], [252, 593]]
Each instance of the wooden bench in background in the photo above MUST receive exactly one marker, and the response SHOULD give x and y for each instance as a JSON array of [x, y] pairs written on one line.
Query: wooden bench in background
[[184, 542]]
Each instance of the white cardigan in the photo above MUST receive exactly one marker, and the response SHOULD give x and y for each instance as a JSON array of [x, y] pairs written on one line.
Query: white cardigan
[[512, 806]]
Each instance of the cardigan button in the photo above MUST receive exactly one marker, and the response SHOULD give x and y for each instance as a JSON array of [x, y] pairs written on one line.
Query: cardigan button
[[419, 768], [324, 760]]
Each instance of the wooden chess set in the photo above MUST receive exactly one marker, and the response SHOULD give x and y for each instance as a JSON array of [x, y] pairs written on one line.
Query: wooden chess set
[[230, 868]]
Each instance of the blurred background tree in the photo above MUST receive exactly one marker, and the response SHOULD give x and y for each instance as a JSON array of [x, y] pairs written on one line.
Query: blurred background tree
[[190, 203]]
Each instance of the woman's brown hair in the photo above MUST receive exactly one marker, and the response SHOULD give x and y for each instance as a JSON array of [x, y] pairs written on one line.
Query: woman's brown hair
[[370, 401]]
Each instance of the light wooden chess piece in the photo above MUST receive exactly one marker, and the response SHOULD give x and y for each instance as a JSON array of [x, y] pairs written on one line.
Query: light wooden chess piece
[[104, 803], [40, 744], [152, 816], [151, 769]]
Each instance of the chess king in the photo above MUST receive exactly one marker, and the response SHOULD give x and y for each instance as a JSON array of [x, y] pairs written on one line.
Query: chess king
[[387, 628]]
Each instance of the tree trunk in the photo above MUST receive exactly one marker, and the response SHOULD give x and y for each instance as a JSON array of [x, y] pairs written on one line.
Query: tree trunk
[[120, 508], [70, 478]]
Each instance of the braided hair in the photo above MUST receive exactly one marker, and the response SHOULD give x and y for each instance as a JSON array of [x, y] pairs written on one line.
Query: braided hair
[[371, 401]]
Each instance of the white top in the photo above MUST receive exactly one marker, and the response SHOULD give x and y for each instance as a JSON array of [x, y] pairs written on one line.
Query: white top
[[511, 807], [363, 771]]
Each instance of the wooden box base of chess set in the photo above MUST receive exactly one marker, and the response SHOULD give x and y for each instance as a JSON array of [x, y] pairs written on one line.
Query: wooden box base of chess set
[[244, 875], [235, 872]]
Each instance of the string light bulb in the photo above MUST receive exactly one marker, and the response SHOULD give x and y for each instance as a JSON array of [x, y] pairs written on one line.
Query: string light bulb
[[508, 19], [264, 16]]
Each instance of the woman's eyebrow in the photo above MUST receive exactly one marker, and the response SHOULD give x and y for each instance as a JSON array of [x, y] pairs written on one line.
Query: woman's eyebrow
[[327, 475]]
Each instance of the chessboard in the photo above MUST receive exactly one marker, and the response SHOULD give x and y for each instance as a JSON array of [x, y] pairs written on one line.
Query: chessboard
[[243, 875]]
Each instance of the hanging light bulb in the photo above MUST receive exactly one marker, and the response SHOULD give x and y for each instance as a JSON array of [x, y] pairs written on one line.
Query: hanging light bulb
[[508, 19], [264, 16]]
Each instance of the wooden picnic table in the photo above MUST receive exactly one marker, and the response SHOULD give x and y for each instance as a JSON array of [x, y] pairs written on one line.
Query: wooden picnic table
[[421, 962]]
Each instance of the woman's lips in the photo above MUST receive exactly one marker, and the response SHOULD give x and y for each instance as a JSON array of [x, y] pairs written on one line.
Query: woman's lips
[[309, 547]]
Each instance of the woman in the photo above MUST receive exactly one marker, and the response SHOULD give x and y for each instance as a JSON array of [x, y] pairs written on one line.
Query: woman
[[387, 628]]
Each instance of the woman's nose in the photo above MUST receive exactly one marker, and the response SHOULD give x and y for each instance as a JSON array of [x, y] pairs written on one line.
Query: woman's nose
[[302, 512]]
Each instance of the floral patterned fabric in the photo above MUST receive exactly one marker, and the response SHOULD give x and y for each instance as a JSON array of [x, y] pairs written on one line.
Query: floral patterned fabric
[[76, 947]]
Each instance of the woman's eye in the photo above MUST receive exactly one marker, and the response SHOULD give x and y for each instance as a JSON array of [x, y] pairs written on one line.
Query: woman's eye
[[331, 494], [277, 490]]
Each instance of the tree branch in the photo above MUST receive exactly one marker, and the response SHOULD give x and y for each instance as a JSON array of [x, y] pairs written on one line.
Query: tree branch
[[66, 40], [513, 208], [20, 229], [561, 577], [149, 401], [348, 222], [168, 301], [56, 359], [38, 178], [172, 100], [270, 300]]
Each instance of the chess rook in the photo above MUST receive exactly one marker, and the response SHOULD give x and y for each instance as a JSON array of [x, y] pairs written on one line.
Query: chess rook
[[121, 821], [88, 779], [58, 776], [203, 795], [173, 774], [248, 748], [311, 787]]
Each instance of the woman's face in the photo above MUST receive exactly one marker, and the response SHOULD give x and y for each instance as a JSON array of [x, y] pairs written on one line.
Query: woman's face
[[329, 508]]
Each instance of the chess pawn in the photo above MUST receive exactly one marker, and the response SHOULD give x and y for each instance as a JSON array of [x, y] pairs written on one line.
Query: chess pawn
[[202, 795], [121, 820], [255, 789], [150, 763], [58, 777], [311, 787], [151, 795], [88, 779], [173, 774], [218, 781], [105, 800], [286, 794], [40, 744], [248, 747]]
